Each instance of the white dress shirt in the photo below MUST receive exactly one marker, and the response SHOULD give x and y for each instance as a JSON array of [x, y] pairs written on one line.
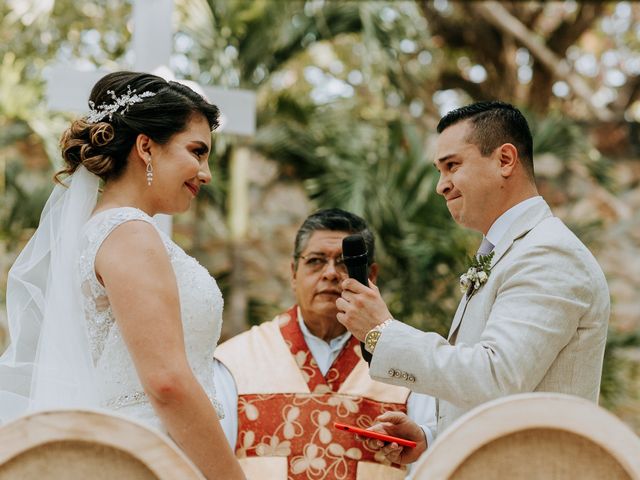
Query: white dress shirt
[[420, 408], [504, 221]]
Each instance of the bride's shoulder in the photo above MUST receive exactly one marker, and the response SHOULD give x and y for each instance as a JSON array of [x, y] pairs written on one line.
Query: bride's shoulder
[[119, 214], [115, 216], [103, 222]]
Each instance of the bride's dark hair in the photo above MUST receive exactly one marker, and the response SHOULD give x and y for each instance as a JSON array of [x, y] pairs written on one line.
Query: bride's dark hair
[[103, 147]]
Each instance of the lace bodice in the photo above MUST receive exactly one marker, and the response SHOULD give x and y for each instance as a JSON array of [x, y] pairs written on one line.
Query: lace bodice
[[200, 306]]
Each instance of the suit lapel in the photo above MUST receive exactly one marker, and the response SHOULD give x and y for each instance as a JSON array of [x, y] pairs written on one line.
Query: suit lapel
[[523, 225], [457, 318]]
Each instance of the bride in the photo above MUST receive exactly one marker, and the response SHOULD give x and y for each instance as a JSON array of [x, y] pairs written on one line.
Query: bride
[[105, 311]]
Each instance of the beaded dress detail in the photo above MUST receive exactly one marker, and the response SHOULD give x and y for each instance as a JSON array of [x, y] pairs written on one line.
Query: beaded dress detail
[[200, 306]]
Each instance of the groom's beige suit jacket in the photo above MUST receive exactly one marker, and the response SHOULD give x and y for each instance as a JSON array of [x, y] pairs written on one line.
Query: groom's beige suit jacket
[[538, 324]]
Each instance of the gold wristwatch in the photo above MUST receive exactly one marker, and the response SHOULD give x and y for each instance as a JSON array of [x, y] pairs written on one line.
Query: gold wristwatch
[[373, 335]]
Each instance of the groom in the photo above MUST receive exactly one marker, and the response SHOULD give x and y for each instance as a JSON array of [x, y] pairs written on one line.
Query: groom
[[535, 311]]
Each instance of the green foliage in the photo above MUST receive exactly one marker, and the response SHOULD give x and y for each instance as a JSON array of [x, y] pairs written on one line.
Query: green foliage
[[264, 35], [23, 200], [381, 171], [620, 374], [564, 138], [358, 153], [32, 34]]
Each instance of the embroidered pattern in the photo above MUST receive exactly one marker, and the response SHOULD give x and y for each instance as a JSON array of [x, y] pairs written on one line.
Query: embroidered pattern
[[300, 425]]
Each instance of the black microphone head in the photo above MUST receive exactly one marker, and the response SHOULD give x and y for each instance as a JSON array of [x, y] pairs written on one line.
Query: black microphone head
[[353, 246]]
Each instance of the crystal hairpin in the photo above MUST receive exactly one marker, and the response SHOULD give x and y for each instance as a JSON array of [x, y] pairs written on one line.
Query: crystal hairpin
[[120, 105]]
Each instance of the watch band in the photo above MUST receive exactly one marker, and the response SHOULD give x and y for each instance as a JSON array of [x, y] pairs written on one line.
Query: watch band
[[373, 335]]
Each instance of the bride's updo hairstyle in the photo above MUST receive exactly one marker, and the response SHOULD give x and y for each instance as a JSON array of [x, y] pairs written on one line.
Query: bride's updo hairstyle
[[103, 142]]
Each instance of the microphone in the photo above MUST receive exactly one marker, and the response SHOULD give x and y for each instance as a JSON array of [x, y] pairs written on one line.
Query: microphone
[[354, 254]]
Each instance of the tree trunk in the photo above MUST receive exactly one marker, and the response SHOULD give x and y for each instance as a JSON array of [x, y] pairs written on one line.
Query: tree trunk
[[498, 16]]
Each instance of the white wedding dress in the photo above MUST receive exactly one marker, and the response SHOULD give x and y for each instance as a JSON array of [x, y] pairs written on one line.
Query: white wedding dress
[[200, 305]]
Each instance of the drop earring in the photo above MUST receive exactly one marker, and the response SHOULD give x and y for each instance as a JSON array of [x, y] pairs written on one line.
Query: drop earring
[[149, 173]]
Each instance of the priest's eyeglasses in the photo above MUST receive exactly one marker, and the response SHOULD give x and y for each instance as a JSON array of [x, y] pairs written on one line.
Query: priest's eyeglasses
[[317, 263]]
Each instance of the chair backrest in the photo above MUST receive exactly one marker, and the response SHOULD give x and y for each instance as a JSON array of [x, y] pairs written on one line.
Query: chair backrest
[[534, 436], [74, 444]]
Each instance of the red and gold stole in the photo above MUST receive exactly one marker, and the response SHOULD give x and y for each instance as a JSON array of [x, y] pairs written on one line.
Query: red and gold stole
[[299, 425]]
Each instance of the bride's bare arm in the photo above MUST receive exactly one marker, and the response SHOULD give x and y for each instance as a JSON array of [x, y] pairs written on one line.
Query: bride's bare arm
[[134, 267]]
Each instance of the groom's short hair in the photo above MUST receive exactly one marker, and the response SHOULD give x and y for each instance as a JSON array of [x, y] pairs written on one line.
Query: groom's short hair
[[494, 123], [336, 220]]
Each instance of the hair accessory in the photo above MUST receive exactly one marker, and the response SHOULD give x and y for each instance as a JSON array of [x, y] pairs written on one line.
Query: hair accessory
[[149, 173], [120, 105]]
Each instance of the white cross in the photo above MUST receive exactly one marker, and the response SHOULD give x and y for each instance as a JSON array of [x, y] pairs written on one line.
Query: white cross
[[68, 89]]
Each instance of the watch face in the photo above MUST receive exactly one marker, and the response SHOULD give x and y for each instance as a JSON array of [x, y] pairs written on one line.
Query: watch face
[[371, 339]]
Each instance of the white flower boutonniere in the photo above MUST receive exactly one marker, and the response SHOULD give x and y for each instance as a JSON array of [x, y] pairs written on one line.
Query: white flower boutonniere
[[477, 275]]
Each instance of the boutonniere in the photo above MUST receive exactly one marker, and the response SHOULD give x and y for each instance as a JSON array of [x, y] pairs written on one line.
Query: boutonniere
[[477, 275]]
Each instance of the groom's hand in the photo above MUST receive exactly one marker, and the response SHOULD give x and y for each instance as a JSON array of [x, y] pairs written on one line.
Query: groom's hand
[[361, 308]]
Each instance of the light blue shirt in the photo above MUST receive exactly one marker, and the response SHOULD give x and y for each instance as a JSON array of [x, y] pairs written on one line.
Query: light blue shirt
[[420, 408]]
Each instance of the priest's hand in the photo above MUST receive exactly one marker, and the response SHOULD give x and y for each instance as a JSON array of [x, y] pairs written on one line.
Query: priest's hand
[[398, 424]]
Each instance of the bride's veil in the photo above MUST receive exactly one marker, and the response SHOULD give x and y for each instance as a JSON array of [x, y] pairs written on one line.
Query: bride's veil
[[48, 363]]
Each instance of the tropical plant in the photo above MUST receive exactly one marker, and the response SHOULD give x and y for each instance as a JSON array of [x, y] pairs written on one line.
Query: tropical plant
[[382, 172], [263, 45]]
